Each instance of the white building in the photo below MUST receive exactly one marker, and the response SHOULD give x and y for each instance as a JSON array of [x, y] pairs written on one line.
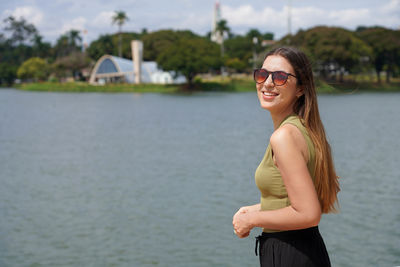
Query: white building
[[110, 69]]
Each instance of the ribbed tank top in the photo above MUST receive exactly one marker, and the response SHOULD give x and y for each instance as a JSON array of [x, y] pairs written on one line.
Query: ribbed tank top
[[268, 178]]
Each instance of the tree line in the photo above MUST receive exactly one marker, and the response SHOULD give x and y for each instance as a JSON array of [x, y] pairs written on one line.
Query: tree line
[[334, 51]]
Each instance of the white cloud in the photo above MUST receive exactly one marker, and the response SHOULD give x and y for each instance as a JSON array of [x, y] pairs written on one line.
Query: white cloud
[[30, 13], [389, 14], [393, 7], [75, 24], [276, 20], [193, 22], [103, 19], [350, 17], [53, 18]]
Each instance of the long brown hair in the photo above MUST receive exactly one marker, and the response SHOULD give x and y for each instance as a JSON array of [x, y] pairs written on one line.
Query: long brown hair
[[306, 107]]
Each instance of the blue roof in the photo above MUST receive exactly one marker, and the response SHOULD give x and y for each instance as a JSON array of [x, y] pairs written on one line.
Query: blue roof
[[124, 64]]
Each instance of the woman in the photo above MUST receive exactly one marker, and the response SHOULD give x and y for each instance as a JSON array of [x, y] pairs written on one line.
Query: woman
[[296, 177]]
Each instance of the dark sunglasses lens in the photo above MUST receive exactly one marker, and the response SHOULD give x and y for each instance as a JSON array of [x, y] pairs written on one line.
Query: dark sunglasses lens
[[260, 76], [280, 77]]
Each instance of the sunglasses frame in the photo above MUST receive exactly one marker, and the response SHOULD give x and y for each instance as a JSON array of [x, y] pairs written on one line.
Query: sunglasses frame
[[273, 76]]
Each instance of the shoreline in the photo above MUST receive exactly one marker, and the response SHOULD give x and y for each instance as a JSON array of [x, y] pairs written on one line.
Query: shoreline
[[226, 85]]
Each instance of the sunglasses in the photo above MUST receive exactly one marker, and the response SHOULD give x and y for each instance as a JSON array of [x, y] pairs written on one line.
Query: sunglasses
[[278, 77]]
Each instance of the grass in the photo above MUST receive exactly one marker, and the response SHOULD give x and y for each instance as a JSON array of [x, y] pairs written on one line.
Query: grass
[[213, 84], [85, 87], [226, 85]]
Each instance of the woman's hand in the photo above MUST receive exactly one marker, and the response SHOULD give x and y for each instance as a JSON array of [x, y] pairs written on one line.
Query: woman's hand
[[241, 223], [243, 210]]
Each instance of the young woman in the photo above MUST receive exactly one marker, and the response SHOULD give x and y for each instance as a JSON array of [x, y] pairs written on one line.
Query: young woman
[[296, 177]]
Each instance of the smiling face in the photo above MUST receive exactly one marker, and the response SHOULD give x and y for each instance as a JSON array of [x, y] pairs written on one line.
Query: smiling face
[[278, 100]]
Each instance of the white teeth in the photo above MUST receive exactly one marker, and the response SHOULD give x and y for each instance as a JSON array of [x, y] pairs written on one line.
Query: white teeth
[[269, 94]]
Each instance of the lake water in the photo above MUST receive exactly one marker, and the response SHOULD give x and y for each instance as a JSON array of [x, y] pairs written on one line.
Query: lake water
[[154, 179]]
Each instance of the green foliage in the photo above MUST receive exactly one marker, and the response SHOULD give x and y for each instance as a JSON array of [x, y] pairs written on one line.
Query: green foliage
[[70, 65], [157, 42], [254, 33], [239, 47], [331, 49], [40, 48], [119, 18], [34, 68], [15, 55], [386, 47], [108, 45], [236, 64], [190, 57], [8, 73], [102, 46], [68, 43], [222, 27], [243, 47], [21, 31], [268, 36], [23, 42]]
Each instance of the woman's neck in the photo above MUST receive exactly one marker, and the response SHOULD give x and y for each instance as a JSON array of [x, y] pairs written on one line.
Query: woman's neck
[[277, 118]]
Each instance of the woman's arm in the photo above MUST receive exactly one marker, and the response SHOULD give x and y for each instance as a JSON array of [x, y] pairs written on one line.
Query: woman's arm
[[290, 150], [244, 209]]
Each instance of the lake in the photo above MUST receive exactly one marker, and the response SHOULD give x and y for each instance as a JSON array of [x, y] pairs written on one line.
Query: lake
[[94, 179]]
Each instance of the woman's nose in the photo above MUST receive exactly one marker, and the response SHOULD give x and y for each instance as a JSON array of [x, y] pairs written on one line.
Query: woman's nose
[[269, 82]]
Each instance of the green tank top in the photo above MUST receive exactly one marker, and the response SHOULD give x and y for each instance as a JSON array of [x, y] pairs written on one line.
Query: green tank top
[[268, 178]]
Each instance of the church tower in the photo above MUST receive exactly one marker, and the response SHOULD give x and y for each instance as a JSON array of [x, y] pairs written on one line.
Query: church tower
[[216, 36]]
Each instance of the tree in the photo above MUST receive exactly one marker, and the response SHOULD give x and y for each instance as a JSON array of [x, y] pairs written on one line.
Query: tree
[[119, 18], [40, 48], [71, 65], [68, 43], [157, 42], [255, 38], [241, 48], [268, 36], [254, 33], [236, 64], [386, 48], [21, 31], [108, 44], [34, 68], [334, 50], [190, 57], [8, 73], [222, 28], [15, 47], [74, 39], [102, 46]]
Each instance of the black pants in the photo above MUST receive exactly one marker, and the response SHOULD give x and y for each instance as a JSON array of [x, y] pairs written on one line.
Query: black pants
[[297, 248]]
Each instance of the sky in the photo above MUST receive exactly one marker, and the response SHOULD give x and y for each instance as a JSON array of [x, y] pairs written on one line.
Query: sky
[[93, 17]]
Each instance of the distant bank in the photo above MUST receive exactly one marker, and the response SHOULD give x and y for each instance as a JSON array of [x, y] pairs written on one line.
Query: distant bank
[[227, 85]]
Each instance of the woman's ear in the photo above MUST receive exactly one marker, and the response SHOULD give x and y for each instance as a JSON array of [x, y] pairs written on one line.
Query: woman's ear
[[300, 91]]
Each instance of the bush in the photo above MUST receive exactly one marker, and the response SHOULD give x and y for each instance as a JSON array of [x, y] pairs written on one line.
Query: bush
[[8, 73], [34, 68]]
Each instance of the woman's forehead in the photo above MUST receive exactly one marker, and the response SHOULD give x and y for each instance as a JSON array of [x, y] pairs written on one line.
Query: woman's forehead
[[277, 62]]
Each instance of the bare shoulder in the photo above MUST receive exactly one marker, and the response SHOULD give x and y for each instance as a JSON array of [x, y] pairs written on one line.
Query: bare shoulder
[[285, 133], [288, 136]]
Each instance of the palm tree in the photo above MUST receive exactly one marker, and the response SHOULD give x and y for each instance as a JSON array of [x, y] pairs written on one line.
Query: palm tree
[[67, 43], [119, 18], [74, 39], [221, 29]]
